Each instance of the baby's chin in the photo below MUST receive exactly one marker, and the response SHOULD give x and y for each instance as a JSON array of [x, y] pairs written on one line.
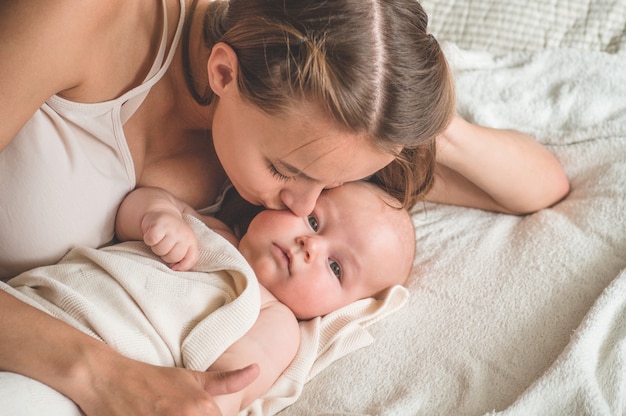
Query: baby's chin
[[304, 313]]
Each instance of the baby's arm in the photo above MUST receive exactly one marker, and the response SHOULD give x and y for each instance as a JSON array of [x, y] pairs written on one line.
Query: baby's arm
[[272, 343], [494, 169], [156, 217]]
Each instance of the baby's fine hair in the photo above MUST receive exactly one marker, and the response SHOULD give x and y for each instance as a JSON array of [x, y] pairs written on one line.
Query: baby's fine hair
[[371, 65]]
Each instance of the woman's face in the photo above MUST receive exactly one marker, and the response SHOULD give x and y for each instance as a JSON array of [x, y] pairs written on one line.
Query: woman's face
[[286, 162]]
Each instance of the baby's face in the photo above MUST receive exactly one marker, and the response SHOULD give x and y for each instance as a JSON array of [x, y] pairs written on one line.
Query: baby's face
[[345, 250]]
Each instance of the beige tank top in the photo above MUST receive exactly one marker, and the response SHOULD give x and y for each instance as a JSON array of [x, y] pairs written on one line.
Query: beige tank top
[[64, 175]]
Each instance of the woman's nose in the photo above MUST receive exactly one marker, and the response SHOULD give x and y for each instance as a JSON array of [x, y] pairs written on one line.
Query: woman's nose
[[301, 201]]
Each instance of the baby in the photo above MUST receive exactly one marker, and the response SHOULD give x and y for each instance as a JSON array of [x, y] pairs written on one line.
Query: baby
[[356, 243]]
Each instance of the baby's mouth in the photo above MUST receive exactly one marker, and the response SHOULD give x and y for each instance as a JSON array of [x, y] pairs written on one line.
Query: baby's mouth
[[286, 257]]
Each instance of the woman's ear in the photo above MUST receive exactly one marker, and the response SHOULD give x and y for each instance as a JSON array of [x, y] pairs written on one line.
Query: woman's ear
[[222, 67]]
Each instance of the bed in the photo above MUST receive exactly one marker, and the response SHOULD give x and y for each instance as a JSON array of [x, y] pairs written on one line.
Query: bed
[[505, 315], [513, 315]]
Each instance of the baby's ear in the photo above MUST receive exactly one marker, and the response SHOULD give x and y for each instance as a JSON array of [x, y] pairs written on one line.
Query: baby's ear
[[222, 68]]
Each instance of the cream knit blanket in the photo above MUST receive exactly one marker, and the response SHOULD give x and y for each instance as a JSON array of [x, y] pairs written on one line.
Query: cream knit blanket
[[125, 296]]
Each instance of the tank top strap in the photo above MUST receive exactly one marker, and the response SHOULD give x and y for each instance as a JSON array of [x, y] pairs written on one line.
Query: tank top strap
[[158, 67]]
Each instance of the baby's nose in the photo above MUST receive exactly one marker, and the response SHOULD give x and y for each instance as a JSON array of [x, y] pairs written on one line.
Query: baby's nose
[[309, 246]]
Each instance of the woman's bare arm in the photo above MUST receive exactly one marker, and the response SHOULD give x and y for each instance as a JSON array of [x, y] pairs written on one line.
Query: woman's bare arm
[[497, 170], [101, 381]]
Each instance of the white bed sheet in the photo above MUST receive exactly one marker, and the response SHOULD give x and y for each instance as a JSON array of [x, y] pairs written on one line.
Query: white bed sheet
[[507, 315]]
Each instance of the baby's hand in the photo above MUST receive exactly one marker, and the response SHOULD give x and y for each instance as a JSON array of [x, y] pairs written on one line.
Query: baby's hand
[[170, 238]]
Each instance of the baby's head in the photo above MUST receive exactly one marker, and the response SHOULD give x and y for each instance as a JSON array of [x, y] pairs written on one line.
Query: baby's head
[[357, 242]]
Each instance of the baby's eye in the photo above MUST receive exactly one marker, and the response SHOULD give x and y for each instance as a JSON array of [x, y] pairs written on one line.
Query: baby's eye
[[335, 267], [313, 222]]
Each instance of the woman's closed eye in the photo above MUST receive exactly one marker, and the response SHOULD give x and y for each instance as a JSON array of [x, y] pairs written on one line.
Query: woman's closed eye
[[277, 175]]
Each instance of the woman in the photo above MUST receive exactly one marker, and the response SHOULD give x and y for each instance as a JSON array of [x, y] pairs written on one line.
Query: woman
[[282, 98]]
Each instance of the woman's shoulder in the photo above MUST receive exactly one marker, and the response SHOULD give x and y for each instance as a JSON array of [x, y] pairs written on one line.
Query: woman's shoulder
[[39, 54], [84, 50], [67, 35], [66, 17]]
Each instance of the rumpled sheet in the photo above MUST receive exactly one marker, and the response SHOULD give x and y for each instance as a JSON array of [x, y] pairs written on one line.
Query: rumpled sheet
[[589, 377], [502, 26]]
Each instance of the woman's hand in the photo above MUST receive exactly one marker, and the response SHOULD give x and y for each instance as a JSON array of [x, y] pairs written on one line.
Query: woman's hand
[[496, 170], [142, 389]]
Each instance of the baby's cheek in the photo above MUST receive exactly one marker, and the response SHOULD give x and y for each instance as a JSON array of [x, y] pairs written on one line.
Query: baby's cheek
[[266, 271]]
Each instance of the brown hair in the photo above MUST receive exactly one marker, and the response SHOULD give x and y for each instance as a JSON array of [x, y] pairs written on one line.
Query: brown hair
[[370, 64]]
